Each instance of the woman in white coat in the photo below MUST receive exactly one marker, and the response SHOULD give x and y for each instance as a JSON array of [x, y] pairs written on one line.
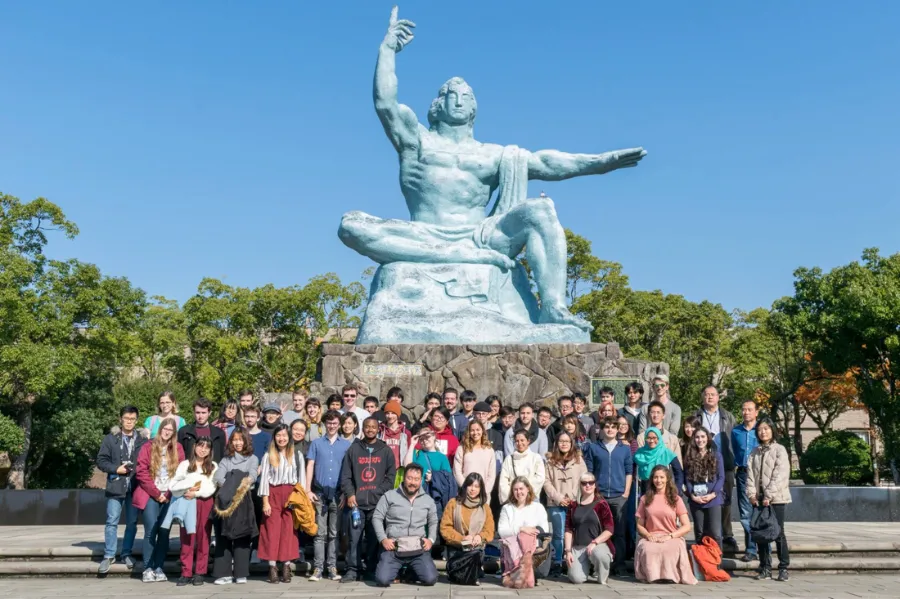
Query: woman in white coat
[[521, 463]]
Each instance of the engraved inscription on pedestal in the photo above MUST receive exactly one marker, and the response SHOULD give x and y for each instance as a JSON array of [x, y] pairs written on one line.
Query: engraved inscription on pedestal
[[393, 370]]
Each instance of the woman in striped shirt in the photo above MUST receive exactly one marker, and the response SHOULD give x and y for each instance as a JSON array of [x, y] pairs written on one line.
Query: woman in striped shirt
[[282, 468]]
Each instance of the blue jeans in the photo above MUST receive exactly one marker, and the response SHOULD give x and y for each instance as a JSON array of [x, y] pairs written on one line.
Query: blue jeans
[[558, 524], [156, 538], [740, 482], [114, 507]]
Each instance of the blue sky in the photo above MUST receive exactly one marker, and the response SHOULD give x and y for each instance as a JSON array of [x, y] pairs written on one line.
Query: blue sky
[[225, 139]]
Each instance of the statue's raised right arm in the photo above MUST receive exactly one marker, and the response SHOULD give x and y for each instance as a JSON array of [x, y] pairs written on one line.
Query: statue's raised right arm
[[398, 120]]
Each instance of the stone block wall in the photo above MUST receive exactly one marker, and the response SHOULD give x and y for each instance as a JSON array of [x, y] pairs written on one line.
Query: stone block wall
[[536, 373]]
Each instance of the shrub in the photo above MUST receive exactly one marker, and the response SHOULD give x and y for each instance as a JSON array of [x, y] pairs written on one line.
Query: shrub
[[838, 458]]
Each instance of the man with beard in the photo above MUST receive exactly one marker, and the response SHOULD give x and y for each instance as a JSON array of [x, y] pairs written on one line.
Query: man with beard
[[406, 515], [537, 439], [367, 473], [458, 421]]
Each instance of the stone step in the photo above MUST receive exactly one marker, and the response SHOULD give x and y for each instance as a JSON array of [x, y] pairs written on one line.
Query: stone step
[[95, 550], [172, 568]]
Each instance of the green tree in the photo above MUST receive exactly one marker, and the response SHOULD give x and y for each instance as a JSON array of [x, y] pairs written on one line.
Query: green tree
[[265, 338], [849, 316], [769, 362], [59, 320]]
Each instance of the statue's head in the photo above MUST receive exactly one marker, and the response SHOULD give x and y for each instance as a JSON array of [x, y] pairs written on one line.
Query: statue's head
[[455, 104]]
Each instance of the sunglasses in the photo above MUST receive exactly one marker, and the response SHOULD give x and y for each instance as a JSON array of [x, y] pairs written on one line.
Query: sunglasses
[[660, 386], [588, 483], [349, 394]]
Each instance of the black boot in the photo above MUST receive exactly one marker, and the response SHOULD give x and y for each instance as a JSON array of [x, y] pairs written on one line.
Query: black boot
[[783, 575]]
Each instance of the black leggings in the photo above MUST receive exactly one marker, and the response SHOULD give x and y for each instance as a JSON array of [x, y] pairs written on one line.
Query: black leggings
[[765, 550], [708, 523]]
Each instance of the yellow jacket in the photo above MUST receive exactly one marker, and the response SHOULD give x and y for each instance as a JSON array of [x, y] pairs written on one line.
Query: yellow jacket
[[302, 510]]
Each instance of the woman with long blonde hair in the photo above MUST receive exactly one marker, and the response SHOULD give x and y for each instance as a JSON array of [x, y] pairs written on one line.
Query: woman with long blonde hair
[[475, 455], [156, 465], [565, 467], [282, 468]]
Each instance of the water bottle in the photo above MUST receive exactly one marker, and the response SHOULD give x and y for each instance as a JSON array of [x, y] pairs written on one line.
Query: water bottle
[[355, 517]]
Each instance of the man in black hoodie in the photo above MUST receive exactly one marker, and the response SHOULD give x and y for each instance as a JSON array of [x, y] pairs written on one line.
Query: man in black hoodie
[[367, 473]]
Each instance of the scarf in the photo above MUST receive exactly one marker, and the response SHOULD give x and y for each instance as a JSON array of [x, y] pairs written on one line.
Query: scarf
[[476, 520], [647, 459], [269, 428]]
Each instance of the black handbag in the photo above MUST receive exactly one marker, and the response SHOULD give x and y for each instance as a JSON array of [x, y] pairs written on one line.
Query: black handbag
[[764, 527], [463, 567]]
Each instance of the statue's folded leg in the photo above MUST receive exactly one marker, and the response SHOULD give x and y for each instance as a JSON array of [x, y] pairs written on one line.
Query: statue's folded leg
[[534, 226], [392, 240]]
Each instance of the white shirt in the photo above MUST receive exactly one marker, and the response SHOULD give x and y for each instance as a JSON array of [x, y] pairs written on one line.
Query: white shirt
[[513, 519]]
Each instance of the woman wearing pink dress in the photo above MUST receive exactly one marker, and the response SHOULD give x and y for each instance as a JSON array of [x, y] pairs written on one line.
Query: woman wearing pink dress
[[662, 523]]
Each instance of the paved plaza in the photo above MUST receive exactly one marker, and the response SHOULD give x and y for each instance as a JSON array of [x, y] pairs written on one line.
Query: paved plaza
[[830, 586], [819, 535]]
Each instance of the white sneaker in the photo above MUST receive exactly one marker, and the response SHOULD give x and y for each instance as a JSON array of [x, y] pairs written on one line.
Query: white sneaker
[[254, 557], [241, 580], [159, 575], [225, 580], [148, 576]]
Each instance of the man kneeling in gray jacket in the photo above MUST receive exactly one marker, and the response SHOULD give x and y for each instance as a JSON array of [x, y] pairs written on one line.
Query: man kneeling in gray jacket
[[399, 522]]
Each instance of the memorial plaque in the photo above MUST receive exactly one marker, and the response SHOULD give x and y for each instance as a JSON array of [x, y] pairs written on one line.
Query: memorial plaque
[[393, 370], [617, 383]]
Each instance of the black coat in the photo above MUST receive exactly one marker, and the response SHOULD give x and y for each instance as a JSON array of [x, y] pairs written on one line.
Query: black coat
[[112, 455], [187, 436], [234, 505]]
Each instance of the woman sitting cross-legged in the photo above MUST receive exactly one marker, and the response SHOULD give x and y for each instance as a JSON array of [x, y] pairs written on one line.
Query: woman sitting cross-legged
[[589, 531], [522, 519], [467, 523], [662, 523]]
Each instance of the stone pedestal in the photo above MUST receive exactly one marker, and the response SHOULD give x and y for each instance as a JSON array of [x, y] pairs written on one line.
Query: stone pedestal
[[517, 373], [441, 304]]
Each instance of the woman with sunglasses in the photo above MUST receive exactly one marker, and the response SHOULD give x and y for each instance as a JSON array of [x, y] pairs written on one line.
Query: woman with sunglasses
[[589, 531]]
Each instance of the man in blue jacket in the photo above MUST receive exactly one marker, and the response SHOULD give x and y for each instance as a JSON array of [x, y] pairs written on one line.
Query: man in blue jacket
[[610, 462], [743, 442]]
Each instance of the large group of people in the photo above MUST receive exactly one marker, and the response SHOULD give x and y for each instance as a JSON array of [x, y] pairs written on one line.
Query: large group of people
[[530, 491]]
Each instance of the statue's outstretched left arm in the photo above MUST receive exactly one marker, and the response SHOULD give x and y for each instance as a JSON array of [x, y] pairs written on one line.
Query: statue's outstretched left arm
[[553, 165]]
